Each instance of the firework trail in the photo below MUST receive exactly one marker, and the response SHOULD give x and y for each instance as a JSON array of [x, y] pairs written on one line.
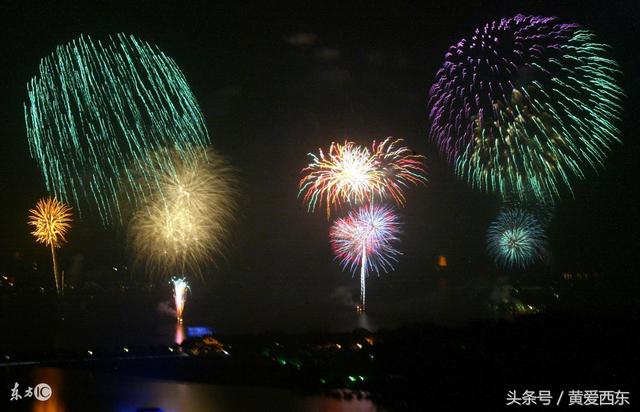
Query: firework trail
[[95, 108], [51, 220], [180, 289], [184, 222], [365, 239], [526, 104], [516, 239], [354, 174]]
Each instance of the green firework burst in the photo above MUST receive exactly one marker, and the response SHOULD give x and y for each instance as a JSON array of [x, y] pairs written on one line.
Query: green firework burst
[[95, 108]]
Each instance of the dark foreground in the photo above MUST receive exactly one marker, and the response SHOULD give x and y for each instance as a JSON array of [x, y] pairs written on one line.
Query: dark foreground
[[413, 368]]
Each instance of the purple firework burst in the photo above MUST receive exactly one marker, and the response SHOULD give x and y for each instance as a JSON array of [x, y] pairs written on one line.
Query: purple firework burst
[[524, 104]]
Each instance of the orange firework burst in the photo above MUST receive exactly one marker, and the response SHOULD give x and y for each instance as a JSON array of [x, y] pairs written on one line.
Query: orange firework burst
[[51, 220], [353, 174]]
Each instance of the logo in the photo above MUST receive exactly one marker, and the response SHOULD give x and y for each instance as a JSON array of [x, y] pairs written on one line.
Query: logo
[[42, 392]]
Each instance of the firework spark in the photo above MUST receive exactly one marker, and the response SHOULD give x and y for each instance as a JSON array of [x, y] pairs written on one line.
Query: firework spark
[[354, 174], [525, 105], [516, 239], [398, 167], [97, 107], [180, 289], [51, 220], [185, 220], [365, 239]]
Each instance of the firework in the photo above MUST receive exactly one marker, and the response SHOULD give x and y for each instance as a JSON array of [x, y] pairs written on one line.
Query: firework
[[185, 219], [96, 107], [516, 239], [180, 289], [354, 174], [345, 174], [526, 104], [398, 167], [365, 239], [51, 220]]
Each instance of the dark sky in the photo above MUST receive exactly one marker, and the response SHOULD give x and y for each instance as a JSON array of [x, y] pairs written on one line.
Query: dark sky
[[269, 100]]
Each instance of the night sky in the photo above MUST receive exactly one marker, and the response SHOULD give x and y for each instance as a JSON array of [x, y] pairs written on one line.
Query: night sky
[[275, 84]]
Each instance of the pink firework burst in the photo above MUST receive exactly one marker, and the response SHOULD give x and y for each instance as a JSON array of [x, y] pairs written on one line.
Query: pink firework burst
[[365, 239]]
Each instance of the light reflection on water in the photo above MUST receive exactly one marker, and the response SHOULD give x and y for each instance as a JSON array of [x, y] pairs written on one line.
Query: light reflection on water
[[86, 391], [179, 333], [55, 379]]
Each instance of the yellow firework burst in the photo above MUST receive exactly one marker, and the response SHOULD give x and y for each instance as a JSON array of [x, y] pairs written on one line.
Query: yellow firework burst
[[185, 220], [51, 220]]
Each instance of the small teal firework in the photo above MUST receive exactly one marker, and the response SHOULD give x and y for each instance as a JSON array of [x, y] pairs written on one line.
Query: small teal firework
[[516, 239], [527, 104], [93, 112]]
